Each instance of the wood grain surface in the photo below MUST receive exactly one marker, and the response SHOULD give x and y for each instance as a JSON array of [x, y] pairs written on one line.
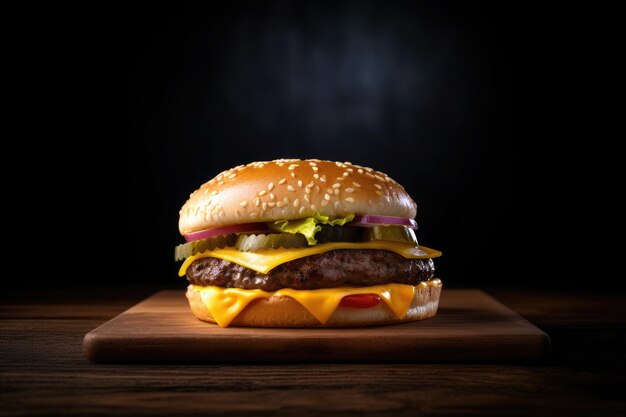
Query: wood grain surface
[[43, 370], [469, 326]]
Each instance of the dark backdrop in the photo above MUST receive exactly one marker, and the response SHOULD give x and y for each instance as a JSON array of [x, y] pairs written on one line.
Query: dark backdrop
[[421, 91], [470, 105]]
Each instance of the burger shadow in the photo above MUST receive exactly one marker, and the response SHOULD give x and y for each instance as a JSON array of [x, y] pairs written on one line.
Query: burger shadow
[[473, 315]]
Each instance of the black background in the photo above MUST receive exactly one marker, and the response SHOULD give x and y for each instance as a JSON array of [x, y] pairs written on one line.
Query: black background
[[473, 107], [421, 91]]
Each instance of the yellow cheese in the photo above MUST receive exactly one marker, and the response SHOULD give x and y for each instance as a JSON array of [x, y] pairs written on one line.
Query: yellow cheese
[[264, 261], [225, 303], [228, 302]]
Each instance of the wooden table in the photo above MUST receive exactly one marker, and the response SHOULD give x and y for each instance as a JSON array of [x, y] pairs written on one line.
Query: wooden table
[[43, 370]]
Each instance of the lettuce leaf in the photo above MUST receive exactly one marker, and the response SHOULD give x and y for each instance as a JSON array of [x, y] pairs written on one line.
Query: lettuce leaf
[[309, 226]]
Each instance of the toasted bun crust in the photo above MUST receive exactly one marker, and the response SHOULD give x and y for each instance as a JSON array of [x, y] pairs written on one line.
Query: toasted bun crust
[[293, 189], [280, 311]]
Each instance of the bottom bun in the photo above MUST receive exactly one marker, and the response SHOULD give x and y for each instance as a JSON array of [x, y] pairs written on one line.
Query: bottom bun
[[282, 311]]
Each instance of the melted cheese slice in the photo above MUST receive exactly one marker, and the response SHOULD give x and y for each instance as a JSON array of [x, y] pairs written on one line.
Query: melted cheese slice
[[225, 304], [264, 261]]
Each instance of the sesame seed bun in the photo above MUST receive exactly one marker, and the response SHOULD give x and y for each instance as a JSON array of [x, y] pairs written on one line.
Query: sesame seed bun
[[282, 311], [293, 189]]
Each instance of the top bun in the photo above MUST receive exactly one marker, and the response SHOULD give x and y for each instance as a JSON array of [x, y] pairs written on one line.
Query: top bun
[[293, 189]]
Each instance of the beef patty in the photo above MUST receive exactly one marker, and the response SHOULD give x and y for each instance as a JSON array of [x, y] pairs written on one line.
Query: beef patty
[[338, 268]]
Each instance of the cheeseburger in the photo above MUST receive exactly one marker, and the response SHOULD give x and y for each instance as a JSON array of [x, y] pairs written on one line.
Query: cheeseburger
[[305, 243]]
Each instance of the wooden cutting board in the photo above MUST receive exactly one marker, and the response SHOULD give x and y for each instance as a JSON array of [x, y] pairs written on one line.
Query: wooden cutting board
[[469, 326]]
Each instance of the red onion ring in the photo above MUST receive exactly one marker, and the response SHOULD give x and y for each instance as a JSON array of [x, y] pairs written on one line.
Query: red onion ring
[[226, 230], [370, 220]]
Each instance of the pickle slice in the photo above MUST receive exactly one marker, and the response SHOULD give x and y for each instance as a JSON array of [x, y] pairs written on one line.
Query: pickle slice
[[191, 248], [390, 233], [338, 234], [247, 243]]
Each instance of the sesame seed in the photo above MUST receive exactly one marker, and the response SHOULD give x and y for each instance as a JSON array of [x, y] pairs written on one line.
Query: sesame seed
[[337, 204], [281, 182], [380, 187], [313, 207], [311, 184], [253, 215], [296, 202], [300, 183], [317, 188], [213, 192], [323, 178], [329, 190], [379, 178], [306, 197], [356, 184], [290, 188], [220, 183], [271, 196], [312, 164], [379, 192], [339, 178], [336, 191], [302, 209], [233, 175], [349, 199], [256, 201], [345, 174], [307, 190], [271, 204], [264, 206], [327, 197], [292, 167], [243, 203], [348, 163], [316, 176], [338, 164], [262, 193], [324, 202], [349, 170], [315, 168], [286, 200], [270, 186], [368, 169], [336, 185], [349, 190], [293, 174], [360, 171], [280, 204], [370, 175]]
